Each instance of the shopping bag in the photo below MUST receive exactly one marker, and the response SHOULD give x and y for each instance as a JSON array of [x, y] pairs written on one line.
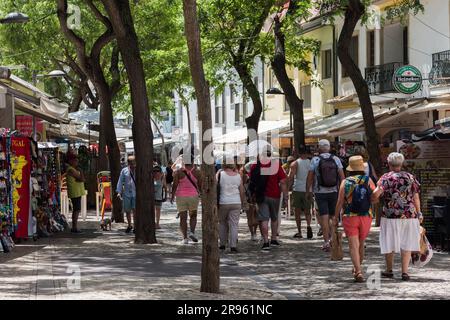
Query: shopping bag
[[420, 259], [337, 252]]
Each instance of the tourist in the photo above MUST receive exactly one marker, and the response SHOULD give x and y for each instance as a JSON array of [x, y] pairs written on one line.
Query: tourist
[[401, 215], [302, 204], [160, 190], [325, 174], [354, 197], [186, 187], [231, 200], [251, 213], [287, 166], [126, 190], [169, 176], [267, 181], [75, 189]]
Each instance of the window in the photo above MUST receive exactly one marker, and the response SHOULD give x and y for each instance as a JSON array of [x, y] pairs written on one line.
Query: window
[[326, 64], [305, 91], [217, 109], [405, 45], [353, 51], [224, 109], [231, 95], [237, 113], [371, 48], [172, 120], [244, 105]]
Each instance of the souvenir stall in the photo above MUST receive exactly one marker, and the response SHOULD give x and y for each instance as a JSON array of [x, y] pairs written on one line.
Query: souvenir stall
[[46, 191], [15, 158]]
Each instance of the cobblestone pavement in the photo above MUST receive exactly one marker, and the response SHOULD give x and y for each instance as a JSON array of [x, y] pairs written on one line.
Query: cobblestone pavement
[[111, 266]]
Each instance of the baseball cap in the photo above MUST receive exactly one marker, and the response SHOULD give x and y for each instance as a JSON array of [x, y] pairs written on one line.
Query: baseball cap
[[324, 143]]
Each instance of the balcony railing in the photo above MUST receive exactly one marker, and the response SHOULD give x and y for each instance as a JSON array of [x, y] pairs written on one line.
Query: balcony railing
[[379, 78], [440, 71]]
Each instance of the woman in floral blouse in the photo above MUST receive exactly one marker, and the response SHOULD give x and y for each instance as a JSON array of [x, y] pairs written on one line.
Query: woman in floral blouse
[[400, 220]]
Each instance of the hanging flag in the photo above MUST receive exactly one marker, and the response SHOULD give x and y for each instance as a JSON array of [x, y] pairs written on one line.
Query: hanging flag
[[20, 179]]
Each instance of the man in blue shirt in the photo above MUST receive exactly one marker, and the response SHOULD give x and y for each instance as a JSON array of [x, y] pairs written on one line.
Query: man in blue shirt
[[324, 177], [126, 190]]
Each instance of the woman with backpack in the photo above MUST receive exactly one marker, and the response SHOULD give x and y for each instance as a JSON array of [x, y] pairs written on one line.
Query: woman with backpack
[[354, 197], [230, 196]]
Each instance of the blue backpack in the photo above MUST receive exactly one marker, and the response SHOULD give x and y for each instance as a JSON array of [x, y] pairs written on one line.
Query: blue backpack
[[361, 196]]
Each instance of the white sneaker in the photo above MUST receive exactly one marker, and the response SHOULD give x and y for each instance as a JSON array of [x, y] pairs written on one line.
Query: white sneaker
[[254, 237], [185, 241]]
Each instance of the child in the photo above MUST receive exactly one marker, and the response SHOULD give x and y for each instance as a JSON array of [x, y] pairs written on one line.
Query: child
[[160, 189]]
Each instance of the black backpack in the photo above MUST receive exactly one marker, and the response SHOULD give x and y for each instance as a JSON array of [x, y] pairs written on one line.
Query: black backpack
[[328, 172], [361, 196], [257, 185]]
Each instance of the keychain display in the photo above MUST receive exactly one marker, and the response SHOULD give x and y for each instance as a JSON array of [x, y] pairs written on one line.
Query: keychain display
[[46, 193]]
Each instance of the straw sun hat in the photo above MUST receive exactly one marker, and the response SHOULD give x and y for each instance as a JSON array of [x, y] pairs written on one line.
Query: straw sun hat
[[356, 163]]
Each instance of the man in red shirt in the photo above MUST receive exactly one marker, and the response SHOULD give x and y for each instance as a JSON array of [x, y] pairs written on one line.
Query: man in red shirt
[[272, 174]]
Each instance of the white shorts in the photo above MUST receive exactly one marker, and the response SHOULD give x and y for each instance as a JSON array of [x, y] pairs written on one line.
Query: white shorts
[[399, 234]]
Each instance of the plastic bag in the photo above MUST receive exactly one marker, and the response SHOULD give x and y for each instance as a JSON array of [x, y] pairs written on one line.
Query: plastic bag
[[420, 259]]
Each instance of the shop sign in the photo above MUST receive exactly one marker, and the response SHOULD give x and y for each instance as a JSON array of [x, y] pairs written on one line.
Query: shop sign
[[24, 124], [425, 154], [407, 79]]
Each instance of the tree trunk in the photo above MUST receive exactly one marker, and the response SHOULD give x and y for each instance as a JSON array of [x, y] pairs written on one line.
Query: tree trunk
[[188, 114], [251, 121], [210, 273], [294, 102], [109, 133], [122, 22], [353, 13]]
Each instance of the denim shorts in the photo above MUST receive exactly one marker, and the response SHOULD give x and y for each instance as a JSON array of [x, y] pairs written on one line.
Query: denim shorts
[[326, 202], [129, 203]]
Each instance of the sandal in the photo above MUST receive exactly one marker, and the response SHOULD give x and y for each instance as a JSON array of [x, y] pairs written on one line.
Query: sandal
[[387, 274], [359, 277], [405, 276]]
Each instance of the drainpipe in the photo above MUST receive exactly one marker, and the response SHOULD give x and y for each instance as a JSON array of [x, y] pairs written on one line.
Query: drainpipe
[[335, 66], [263, 90]]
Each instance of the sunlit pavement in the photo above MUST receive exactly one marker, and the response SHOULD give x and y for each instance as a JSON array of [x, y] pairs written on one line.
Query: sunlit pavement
[[108, 265]]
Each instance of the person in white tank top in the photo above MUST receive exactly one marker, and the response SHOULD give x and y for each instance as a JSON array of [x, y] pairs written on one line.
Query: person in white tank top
[[297, 180], [231, 199]]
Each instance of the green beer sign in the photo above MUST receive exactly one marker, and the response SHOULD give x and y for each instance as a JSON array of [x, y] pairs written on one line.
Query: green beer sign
[[407, 79]]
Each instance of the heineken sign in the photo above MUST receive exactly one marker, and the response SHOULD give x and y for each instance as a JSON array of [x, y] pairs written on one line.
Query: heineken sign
[[407, 79]]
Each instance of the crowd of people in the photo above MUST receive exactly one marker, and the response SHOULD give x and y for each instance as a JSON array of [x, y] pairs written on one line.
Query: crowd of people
[[326, 185]]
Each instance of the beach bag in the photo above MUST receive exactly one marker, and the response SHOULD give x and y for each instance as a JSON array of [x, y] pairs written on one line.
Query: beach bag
[[420, 259], [337, 253]]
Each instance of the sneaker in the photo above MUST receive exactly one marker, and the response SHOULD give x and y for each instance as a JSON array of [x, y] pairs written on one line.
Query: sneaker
[[222, 247], [192, 237], [129, 229], [320, 233], [266, 246], [233, 250], [275, 243], [254, 237], [309, 233], [298, 235], [185, 241]]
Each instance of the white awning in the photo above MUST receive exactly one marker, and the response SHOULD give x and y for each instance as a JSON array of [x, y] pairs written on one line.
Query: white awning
[[430, 106], [240, 134], [53, 107]]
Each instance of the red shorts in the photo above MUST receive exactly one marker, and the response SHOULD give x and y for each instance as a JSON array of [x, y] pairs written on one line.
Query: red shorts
[[357, 226]]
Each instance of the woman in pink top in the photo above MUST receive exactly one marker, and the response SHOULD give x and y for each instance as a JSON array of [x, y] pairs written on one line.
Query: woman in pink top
[[186, 189]]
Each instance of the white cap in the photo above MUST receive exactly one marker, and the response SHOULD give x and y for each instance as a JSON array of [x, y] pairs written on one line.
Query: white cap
[[324, 143]]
